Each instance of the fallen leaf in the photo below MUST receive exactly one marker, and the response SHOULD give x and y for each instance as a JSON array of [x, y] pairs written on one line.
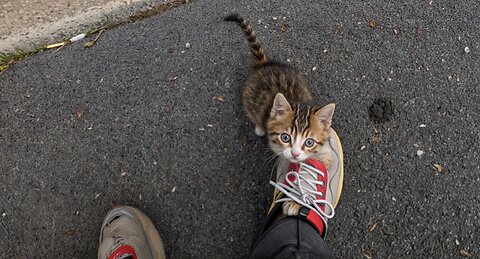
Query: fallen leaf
[[79, 112], [375, 139], [88, 168], [373, 227], [283, 28], [338, 29], [373, 24], [465, 253], [419, 31], [367, 252], [90, 43], [439, 169], [69, 232], [56, 45]]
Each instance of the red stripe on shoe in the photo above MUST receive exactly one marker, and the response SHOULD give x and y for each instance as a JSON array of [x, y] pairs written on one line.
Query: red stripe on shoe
[[317, 221], [122, 252]]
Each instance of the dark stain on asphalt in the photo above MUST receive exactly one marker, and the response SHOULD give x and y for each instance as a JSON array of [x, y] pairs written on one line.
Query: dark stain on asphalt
[[381, 110]]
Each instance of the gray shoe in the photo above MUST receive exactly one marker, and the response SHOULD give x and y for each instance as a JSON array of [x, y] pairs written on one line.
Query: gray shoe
[[129, 233]]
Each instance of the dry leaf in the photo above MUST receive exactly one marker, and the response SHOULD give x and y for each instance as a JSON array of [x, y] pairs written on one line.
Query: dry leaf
[[373, 227], [79, 112], [56, 45], [70, 232], [283, 28], [465, 253], [338, 29], [367, 252], [419, 31], [373, 24], [90, 43], [440, 169], [375, 139]]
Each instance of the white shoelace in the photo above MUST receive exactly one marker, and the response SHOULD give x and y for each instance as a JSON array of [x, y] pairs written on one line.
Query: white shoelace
[[305, 195]]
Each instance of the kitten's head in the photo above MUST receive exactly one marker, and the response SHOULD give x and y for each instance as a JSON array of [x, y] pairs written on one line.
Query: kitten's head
[[298, 131]]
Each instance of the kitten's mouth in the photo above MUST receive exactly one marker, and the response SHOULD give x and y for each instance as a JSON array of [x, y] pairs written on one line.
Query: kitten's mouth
[[296, 161]]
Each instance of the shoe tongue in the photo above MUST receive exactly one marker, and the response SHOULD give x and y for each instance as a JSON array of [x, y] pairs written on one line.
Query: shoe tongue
[[315, 163], [294, 167]]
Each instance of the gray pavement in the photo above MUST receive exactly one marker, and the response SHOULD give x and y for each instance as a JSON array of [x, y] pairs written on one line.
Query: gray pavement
[[133, 120]]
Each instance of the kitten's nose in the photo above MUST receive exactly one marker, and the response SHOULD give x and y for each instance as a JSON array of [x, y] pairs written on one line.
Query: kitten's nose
[[295, 154]]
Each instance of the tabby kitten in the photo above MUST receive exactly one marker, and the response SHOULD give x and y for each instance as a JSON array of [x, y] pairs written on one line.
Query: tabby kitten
[[277, 100]]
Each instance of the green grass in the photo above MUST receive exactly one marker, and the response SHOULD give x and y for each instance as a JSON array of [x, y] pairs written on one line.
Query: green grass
[[9, 58]]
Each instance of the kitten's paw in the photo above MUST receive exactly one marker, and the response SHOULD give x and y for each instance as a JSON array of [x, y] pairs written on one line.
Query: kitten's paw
[[259, 131], [326, 159], [291, 208]]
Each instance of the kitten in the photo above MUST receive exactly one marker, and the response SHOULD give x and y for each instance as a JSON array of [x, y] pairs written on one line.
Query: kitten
[[277, 100]]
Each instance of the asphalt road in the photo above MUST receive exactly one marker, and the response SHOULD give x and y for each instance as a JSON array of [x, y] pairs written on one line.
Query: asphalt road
[[133, 120]]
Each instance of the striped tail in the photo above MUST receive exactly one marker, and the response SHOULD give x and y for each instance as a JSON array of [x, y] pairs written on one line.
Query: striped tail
[[259, 57]]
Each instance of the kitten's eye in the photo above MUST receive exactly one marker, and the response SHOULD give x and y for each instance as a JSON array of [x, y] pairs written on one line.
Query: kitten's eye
[[285, 137], [309, 142]]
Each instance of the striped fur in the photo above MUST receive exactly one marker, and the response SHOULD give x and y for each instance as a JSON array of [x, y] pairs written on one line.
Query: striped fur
[[300, 118], [277, 100], [259, 57]]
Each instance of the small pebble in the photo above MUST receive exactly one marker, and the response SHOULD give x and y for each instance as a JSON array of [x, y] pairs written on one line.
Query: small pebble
[[275, 18], [4, 214], [188, 45], [363, 147], [314, 68], [467, 50], [422, 126], [420, 152], [174, 188]]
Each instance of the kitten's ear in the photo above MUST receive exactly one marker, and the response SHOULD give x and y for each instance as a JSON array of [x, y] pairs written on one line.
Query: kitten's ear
[[325, 114], [280, 106]]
